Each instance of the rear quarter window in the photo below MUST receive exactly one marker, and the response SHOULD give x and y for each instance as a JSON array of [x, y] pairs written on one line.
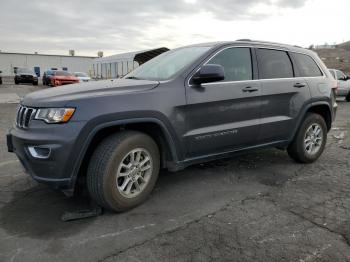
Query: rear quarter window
[[307, 67], [274, 64]]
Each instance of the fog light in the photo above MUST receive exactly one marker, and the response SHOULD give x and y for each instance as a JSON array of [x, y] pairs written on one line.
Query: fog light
[[39, 152]]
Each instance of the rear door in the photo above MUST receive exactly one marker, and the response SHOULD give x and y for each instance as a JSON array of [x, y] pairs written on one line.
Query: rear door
[[283, 95], [224, 115]]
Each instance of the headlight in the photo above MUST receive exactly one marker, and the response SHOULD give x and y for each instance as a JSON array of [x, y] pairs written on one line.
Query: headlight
[[55, 115]]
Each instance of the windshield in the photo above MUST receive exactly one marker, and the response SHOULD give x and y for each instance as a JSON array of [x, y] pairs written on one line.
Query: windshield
[[79, 74], [168, 64], [25, 71], [62, 73]]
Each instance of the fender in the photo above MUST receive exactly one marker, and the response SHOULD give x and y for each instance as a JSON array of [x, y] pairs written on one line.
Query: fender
[[174, 150], [303, 113]]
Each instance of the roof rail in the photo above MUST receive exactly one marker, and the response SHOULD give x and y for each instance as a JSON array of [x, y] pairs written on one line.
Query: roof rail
[[267, 42]]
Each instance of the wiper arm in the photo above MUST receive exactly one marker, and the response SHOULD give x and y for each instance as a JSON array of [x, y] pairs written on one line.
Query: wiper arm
[[133, 77]]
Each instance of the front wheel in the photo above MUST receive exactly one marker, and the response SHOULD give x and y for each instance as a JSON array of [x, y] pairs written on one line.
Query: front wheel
[[310, 140], [123, 170]]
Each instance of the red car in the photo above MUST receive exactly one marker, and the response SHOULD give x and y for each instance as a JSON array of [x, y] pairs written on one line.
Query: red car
[[59, 78]]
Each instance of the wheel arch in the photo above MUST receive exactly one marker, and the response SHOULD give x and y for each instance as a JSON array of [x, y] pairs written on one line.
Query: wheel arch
[[323, 109], [153, 127]]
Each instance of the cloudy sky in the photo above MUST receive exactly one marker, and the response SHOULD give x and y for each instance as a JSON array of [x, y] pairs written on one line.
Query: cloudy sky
[[116, 26]]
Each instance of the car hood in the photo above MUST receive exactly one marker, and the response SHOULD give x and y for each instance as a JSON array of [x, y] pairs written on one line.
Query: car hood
[[66, 77], [27, 74], [60, 96]]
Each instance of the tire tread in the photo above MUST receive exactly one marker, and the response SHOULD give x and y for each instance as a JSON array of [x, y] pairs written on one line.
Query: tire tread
[[98, 164]]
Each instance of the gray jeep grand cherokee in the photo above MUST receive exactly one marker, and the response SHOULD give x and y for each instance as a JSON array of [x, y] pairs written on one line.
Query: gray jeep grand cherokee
[[186, 106]]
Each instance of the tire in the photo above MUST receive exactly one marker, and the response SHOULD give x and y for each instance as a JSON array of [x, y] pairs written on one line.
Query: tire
[[102, 175], [347, 98], [35, 83], [16, 82], [297, 149]]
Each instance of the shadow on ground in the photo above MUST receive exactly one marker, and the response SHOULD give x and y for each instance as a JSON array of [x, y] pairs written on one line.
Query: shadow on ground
[[36, 213]]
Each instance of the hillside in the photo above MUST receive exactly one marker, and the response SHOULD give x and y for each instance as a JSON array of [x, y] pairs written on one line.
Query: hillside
[[338, 57]]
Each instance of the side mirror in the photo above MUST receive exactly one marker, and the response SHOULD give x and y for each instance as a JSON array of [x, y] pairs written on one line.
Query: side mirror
[[209, 73]]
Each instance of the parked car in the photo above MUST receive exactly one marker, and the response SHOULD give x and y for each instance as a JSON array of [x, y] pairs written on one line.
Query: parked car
[[186, 106], [26, 75], [47, 77], [82, 77], [0, 78], [59, 78], [343, 83]]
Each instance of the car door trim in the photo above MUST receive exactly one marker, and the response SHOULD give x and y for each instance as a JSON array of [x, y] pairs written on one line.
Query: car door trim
[[253, 49]]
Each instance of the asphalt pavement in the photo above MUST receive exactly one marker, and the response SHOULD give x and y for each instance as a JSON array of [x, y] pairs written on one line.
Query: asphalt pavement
[[260, 206]]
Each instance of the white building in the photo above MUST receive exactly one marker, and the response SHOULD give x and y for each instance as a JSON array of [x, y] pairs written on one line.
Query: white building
[[105, 67], [40, 62], [119, 65]]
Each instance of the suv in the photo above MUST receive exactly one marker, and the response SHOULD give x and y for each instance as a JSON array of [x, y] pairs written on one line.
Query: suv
[[343, 83], [188, 105], [25, 75]]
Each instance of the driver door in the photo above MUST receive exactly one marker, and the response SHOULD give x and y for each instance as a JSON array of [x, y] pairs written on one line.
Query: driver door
[[224, 116]]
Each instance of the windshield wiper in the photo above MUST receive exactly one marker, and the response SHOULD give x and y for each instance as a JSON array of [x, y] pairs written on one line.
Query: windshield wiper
[[133, 77]]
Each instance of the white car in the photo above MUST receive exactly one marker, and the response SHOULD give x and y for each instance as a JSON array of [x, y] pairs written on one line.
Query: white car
[[343, 83], [82, 77]]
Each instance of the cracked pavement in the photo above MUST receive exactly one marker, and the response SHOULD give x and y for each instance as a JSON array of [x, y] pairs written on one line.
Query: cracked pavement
[[260, 206]]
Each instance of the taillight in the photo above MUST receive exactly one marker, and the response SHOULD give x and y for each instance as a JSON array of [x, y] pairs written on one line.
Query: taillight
[[335, 87]]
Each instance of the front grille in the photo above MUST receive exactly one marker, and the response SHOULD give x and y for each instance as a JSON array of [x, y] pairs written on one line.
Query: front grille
[[24, 116]]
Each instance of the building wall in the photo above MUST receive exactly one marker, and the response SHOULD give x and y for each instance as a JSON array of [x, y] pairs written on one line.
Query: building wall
[[112, 68], [73, 63]]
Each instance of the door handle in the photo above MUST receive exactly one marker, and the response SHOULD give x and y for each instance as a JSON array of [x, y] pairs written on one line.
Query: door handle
[[249, 89], [299, 85]]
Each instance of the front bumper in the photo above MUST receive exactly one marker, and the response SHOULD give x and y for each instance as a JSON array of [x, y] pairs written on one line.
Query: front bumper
[[21, 79], [57, 169]]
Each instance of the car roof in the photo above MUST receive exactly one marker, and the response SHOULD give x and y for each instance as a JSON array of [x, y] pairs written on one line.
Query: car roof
[[287, 47]]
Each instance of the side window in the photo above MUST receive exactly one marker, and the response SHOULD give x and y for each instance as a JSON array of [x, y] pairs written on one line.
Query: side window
[[340, 74], [237, 63], [307, 66], [274, 64]]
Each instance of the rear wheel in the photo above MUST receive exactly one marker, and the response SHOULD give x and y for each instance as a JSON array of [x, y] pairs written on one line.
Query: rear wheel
[[310, 140], [123, 170], [347, 98]]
